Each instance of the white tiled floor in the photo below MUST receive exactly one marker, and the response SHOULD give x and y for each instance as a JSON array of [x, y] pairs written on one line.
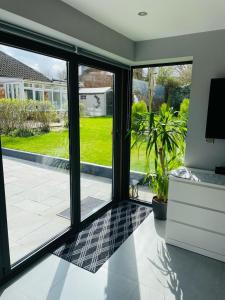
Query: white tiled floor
[[143, 268]]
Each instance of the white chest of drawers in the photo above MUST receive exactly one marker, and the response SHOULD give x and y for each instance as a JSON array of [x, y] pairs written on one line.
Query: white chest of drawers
[[196, 214]]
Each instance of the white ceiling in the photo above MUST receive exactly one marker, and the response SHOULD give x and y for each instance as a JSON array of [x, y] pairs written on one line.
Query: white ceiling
[[165, 17]]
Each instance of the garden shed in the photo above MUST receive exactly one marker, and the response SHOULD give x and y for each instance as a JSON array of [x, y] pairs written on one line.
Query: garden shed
[[97, 101]]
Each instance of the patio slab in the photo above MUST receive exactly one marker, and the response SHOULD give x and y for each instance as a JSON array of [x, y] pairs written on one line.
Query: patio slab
[[34, 196]]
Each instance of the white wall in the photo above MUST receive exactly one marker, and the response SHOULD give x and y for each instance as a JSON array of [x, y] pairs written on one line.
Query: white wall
[[208, 51]]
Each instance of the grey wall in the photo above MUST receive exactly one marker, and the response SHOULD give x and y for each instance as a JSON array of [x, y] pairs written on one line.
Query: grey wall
[[63, 18], [208, 51]]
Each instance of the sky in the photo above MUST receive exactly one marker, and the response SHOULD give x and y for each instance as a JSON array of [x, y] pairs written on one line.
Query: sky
[[51, 67]]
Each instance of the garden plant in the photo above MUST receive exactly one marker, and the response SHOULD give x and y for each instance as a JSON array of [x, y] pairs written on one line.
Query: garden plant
[[163, 136]]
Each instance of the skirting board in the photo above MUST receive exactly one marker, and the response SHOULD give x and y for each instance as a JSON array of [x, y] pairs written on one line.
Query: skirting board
[[195, 249]]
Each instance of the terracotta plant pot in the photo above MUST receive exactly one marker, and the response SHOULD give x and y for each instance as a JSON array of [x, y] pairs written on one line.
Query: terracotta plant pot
[[159, 209]]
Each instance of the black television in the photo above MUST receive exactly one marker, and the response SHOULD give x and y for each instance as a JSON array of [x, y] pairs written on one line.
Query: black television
[[215, 127]]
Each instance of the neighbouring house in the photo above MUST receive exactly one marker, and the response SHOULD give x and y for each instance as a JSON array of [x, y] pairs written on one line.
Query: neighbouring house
[[94, 78], [19, 81], [97, 101]]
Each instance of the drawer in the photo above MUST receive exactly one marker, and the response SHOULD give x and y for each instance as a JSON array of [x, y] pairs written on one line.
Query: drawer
[[198, 195], [196, 237], [195, 216]]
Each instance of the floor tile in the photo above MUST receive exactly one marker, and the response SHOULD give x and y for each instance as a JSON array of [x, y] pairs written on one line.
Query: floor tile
[[141, 292], [40, 279], [80, 284], [12, 294]]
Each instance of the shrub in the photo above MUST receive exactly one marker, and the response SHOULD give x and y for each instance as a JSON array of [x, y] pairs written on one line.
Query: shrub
[[184, 106], [183, 113], [25, 115], [44, 115], [22, 132], [178, 94], [13, 114], [138, 108], [65, 116], [66, 120]]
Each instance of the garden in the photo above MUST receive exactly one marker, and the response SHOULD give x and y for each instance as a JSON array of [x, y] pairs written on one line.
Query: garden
[[159, 117], [26, 126]]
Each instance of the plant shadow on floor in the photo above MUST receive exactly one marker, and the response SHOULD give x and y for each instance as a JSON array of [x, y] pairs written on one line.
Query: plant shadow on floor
[[188, 276]]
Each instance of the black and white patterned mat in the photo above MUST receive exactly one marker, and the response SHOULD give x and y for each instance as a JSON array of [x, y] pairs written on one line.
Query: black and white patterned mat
[[93, 246]]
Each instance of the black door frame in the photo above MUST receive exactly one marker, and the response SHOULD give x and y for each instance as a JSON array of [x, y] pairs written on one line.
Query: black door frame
[[119, 154], [120, 121]]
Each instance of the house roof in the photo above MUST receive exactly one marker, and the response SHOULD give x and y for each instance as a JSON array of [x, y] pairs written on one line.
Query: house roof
[[100, 90], [11, 67]]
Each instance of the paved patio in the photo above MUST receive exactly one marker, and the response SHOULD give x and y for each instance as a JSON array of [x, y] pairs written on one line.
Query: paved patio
[[35, 194], [34, 197]]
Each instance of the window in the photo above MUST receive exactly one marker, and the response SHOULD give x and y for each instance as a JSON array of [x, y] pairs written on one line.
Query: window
[[39, 95], [64, 101], [153, 87], [27, 84], [48, 96], [38, 85], [56, 100], [28, 94]]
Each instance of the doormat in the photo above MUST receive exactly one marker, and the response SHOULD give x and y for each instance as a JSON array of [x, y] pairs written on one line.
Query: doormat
[[93, 246], [88, 205]]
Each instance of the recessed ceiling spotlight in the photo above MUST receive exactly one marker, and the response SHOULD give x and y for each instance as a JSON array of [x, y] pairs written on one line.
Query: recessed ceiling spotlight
[[142, 13]]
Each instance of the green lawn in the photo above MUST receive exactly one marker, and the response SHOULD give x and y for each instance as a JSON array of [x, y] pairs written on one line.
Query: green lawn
[[96, 143]]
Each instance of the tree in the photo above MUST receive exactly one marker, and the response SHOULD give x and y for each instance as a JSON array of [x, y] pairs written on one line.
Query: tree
[[151, 86], [163, 135], [138, 74], [184, 74], [166, 78]]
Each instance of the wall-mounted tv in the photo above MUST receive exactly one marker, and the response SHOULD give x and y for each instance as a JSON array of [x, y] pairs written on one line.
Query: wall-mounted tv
[[215, 127]]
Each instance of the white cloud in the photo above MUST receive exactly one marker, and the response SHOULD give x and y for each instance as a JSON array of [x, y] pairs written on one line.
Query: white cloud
[[36, 67]]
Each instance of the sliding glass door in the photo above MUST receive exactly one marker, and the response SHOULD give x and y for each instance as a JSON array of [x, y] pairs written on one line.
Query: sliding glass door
[[62, 145], [35, 148], [96, 105]]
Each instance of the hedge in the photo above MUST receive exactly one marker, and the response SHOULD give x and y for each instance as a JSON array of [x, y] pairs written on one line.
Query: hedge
[[25, 116]]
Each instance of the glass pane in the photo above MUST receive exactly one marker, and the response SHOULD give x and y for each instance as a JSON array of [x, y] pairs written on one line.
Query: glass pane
[[48, 96], [38, 95], [28, 84], [56, 100], [96, 96], [35, 155], [28, 94], [154, 88]]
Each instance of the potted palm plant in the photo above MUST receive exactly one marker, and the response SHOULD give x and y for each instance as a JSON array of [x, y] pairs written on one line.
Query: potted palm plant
[[163, 135]]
